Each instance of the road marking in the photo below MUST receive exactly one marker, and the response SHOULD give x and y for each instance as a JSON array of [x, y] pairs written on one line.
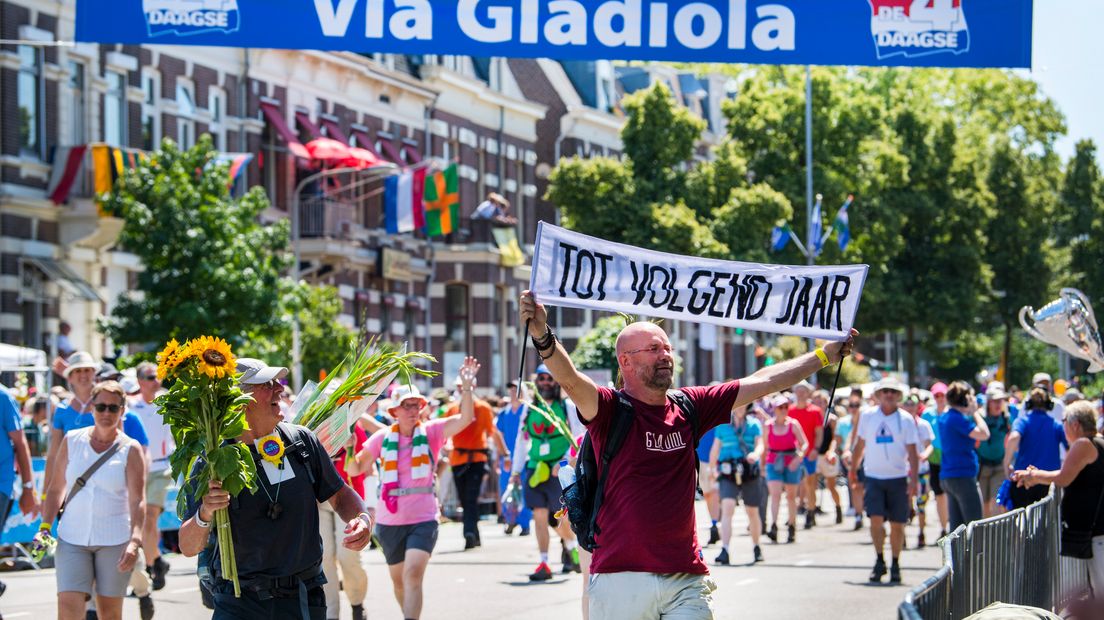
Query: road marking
[[803, 563], [746, 582], [19, 614], [184, 591]]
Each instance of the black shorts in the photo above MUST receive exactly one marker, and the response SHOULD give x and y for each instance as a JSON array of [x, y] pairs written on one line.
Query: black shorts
[[887, 499], [394, 540], [936, 485], [252, 605], [751, 491], [544, 495]]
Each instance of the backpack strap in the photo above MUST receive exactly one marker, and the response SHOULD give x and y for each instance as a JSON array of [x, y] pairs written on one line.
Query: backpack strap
[[301, 450], [683, 402], [619, 429]]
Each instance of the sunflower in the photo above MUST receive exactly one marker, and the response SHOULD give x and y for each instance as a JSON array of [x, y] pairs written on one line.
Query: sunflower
[[168, 359], [213, 357]]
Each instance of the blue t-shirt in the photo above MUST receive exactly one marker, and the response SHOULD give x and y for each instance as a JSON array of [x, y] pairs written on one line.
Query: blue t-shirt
[[706, 444], [933, 418], [9, 421], [1040, 436], [508, 423], [67, 419], [736, 443], [843, 431], [960, 460]]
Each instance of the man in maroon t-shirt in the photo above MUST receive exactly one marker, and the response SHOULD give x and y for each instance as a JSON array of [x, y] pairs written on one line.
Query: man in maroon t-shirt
[[811, 419], [648, 562]]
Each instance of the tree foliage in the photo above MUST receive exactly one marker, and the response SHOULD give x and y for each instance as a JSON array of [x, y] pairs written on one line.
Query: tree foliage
[[596, 349], [210, 267]]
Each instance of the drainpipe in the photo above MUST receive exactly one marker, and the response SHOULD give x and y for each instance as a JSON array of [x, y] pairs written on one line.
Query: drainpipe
[[428, 315], [243, 99]]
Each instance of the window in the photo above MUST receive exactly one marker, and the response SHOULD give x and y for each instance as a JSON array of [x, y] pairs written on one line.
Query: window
[[151, 119], [385, 317], [410, 324], [114, 125], [30, 99], [456, 318], [185, 113], [75, 87], [216, 105]]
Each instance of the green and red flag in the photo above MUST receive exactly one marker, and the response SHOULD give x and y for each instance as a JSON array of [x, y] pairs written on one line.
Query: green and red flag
[[442, 201]]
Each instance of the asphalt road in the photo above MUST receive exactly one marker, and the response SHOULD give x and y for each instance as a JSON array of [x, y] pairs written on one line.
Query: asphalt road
[[822, 575]]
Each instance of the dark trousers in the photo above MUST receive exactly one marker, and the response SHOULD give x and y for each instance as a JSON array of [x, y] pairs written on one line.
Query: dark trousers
[[963, 500], [251, 605], [469, 480], [1022, 498]]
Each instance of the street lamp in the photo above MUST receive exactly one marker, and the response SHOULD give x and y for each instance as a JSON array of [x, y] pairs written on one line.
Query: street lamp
[[378, 171]]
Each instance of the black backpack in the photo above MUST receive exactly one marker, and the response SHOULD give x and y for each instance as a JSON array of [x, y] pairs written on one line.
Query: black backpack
[[583, 498]]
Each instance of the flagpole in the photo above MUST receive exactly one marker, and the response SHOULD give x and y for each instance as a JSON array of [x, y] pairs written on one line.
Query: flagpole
[[810, 242]]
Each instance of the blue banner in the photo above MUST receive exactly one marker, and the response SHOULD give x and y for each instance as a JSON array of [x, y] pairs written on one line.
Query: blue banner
[[940, 33]]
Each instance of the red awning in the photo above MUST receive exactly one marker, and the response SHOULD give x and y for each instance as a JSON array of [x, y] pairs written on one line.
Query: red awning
[[364, 141], [390, 153], [362, 158], [276, 119], [304, 121], [333, 130], [328, 149], [412, 154]]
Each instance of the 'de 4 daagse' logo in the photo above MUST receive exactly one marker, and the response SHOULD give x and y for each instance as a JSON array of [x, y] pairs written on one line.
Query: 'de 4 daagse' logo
[[914, 28], [185, 17]]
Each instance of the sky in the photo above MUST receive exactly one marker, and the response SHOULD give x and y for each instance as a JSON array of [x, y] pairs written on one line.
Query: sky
[[1068, 62]]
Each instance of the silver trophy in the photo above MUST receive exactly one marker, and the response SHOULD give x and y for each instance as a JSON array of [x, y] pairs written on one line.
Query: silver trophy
[[1069, 324]]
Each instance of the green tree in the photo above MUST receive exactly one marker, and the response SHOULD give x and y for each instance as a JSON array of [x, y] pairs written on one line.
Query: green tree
[[324, 341], [1015, 245], [1082, 200], [739, 223], [210, 266], [597, 197], [596, 349], [659, 138]]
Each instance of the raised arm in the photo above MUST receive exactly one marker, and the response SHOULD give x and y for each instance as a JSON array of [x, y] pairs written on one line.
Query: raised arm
[[575, 384], [458, 423], [781, 376]]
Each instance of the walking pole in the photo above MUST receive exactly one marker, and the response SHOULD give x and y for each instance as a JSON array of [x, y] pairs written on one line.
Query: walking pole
[[521, 364], [832, 394]]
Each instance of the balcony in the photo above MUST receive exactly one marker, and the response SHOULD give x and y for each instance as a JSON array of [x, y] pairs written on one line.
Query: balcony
[[332, 232]]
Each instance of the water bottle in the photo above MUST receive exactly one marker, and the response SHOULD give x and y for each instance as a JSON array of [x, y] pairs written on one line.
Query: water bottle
[[567, 476]]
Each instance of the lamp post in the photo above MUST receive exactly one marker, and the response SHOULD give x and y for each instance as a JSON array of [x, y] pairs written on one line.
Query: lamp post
[[378, 171]]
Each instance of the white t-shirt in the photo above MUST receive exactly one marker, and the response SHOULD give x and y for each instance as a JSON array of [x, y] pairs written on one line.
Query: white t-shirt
[[926, 435], [160, 437], [885, 455]]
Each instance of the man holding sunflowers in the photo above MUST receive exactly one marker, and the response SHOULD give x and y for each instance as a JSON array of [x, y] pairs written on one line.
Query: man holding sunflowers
[[277, 549]]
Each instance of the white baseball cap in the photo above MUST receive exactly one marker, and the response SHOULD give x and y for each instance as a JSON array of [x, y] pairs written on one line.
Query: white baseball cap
[[78, 360], [255, 372]]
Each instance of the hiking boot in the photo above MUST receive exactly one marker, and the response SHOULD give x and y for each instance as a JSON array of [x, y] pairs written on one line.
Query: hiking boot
[[878, 572], [839, 515], [714, 536], [543, 573], [772, 534], [801, 510], [91, 615], [820, 512], [757, 555], [470, 542], [722, 559], [895, 573], [791, 533], [524, 532], [145, 607], [920, 542], [810, 521], [158, 572], [510, 528], [358, 612]]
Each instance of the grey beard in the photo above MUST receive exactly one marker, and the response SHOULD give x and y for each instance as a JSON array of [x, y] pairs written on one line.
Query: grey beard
[[659, 384], [550, 395]]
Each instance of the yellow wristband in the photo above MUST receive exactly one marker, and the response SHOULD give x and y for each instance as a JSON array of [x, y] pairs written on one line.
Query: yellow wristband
[[822, 356]]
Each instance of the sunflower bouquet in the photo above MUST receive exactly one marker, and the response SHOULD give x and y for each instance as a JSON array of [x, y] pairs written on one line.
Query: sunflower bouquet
[[205, 410]]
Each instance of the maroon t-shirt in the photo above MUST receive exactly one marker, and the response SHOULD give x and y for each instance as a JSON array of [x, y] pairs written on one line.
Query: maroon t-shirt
[[647, 517]]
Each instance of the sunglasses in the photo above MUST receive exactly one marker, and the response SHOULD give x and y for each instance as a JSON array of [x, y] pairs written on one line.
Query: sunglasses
[[102, 407], [148, 377], [854, 405]]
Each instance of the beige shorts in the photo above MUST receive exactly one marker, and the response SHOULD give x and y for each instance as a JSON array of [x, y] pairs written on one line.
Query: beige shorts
[[705, 478], [78, 567], [157, 487], [650, 596], [826, 469]]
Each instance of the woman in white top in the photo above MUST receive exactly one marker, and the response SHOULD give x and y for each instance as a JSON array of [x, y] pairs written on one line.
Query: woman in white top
[[101, 530]]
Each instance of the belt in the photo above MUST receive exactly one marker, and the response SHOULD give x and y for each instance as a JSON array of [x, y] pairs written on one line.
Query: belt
[[781, 451], [411, 491]]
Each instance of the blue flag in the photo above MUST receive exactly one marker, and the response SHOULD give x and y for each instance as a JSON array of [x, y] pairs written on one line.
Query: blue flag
[[780, 237], [817, 228], [842, 225]]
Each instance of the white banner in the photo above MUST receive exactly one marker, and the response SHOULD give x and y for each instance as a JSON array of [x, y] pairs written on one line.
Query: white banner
[[580, 271]]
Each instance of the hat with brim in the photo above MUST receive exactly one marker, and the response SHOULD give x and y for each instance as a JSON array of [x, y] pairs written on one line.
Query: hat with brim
[[803, 384], [403, 393], [995, 392], [255, 372], [780, 401], [1040, 377], [79, 360], [891, 385]]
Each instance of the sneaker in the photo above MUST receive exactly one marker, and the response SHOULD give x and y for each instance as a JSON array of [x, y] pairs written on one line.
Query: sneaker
[[791, 531], [543, 573], [820, 512], [91, 615], [524, 532], [772, 534], [878, 572], [801, 510], [858, 524], [810, 521], [920, 542], [358, 612], [714, 535], [145, 607], [757, 555], [895, 573], [839, 515], [157, 575], [470, 542], [571, 562], [722, 559], [510, 528]]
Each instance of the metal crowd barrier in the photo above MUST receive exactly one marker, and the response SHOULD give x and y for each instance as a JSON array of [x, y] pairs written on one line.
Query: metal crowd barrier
[[1011, 558]]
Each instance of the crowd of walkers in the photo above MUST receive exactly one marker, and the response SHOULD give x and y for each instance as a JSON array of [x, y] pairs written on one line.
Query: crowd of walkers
[[871, 455]]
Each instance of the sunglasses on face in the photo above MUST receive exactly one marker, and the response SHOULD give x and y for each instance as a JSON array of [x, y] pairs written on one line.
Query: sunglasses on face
[[545, 379], [102, 407], [148, 377], [853, 405]]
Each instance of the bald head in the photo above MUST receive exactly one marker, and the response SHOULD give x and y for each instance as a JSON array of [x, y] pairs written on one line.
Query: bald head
[[644, 357], [638, 335]]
